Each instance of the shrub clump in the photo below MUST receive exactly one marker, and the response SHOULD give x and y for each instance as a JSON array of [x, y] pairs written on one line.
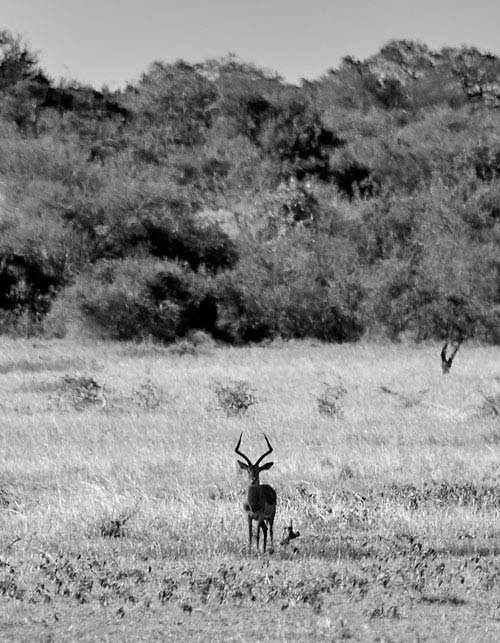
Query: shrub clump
[[235, 397], [143, 298], [331, 400], [81, 392]]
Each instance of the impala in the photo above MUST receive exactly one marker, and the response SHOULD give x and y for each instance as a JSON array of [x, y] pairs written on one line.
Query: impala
[[261, 498]]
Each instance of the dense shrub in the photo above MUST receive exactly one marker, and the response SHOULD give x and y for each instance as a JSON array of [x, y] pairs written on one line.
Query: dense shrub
[[175, 101], [292, 290], [140, 298], [114, 298], [215, 196]]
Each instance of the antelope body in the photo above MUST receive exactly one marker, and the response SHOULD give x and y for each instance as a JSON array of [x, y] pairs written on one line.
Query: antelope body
[[261, 499]]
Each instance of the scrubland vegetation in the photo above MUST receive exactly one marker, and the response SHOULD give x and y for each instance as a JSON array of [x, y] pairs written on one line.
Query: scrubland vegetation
[[210, 204], [216, 196], [123, 519]]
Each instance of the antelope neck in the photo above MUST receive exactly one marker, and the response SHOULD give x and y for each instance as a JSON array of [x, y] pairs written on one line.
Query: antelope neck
[[254, 494]]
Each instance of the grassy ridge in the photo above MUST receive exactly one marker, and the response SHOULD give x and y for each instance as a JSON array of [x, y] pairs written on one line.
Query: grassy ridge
[[133, 510]]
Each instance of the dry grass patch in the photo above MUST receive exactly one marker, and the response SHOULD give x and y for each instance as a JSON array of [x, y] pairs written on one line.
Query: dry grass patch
[[137, 505]]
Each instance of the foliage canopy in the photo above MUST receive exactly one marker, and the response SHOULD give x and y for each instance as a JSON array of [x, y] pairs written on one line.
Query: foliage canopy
[[217, 196]]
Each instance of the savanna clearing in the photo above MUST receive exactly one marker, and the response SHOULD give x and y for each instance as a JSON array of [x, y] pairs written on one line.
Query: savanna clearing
[[120, 508]]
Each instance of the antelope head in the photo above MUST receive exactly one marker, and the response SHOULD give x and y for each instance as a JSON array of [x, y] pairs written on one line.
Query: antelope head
[[253, 470]]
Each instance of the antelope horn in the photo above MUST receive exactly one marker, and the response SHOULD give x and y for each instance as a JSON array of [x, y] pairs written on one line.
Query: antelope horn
[[267, 452], [237, 450]]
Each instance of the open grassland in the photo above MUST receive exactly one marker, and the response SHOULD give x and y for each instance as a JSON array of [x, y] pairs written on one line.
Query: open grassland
[[124, 521]]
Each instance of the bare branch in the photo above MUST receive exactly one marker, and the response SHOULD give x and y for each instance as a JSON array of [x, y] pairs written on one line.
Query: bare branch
[[446, 362]]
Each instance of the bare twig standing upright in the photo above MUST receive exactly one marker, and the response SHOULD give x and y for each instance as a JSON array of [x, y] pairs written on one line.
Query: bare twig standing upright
[[446, 362]]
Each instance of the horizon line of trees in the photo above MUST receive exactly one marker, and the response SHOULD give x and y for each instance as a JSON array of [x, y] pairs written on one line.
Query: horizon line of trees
[[216, 196]]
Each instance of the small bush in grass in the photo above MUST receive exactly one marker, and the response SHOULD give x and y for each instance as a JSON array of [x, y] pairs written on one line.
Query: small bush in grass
[[490, 406], [81, 392], [235, 397], [148, 396], [196, 342], [183, 347], [347, 472], [331, 400], [113, 527]]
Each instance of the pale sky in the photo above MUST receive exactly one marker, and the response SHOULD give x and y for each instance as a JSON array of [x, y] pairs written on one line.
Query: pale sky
[[113, 41]]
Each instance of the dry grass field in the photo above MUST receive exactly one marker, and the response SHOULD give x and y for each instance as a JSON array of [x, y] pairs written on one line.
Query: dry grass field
[[120, 507]]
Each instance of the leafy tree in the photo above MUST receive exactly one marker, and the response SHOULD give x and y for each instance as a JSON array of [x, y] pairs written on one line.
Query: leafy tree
[[299, 141], [175, 101], [17, 62]]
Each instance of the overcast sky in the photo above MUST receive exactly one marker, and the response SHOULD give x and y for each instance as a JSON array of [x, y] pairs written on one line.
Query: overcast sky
[[113, 41]]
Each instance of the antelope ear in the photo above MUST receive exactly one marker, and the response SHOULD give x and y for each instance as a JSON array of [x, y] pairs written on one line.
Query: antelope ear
[[243, 465], [268, 465]]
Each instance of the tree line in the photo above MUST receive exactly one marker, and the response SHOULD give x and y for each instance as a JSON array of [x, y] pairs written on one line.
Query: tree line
[[217, 196]]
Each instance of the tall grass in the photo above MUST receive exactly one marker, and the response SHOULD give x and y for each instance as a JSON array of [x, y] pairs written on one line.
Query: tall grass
[[172, 469], [130, 513]]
